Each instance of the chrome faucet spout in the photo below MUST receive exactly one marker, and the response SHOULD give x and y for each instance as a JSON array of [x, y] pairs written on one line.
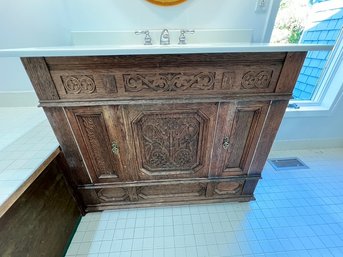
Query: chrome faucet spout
[[165, 38]]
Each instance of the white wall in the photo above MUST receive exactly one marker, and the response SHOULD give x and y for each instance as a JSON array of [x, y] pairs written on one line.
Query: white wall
[[28, 24], [311, 132], [33, 23], [49, 22], [193, 14], [316, 128]]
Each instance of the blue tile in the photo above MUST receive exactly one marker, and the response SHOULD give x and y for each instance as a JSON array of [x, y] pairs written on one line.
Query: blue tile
[[323, 35], [332, 23], [339, 24]]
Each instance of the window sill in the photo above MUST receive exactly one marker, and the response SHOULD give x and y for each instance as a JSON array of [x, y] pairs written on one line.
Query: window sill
[[308, 111]]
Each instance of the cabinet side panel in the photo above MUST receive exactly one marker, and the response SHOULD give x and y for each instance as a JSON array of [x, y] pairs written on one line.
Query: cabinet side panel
[[38, 72], [42, 221], [290, 71], [59, 124], [268, 134]]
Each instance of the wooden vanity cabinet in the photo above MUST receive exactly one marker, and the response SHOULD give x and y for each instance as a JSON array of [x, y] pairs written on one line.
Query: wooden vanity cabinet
[[162, 129]]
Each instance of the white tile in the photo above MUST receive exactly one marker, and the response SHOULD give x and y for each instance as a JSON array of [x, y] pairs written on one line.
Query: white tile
[[105, 246], [297, 213]]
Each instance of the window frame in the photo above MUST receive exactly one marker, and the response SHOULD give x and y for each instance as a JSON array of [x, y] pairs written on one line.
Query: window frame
[[329, 89]]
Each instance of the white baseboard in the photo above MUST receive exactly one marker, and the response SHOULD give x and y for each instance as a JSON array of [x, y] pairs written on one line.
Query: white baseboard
[[286, 145], [18, 99]]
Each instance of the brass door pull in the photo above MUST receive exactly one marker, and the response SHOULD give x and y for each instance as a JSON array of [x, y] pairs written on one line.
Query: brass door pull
[[115, 148], [226, 143]]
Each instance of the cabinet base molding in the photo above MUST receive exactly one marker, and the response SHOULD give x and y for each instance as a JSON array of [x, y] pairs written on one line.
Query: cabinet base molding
[[103, 207], [168, 182], [156, 193]]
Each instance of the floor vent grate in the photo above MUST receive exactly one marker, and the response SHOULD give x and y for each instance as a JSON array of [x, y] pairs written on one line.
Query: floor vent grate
[[287, 164]]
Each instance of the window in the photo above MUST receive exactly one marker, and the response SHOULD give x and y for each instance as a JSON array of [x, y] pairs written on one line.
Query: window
[[313, 22]]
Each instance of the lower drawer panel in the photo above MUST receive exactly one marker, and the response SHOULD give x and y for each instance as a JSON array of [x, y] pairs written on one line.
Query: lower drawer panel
[[99, 198]]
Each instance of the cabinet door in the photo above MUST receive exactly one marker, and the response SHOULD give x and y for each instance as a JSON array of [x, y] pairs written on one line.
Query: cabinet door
[[99, 134], [170, 141], [238, 130]]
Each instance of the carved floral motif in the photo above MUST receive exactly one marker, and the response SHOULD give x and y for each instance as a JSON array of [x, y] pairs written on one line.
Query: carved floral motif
[[169, 142], [79, 84], [161, 82], [256, 79]]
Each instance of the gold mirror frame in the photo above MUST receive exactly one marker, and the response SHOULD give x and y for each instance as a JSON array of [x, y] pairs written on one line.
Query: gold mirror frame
[[166, 2]]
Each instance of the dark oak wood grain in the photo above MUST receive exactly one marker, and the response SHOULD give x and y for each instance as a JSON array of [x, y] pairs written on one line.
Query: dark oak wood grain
[[157, 62], [146, 130], [170, 141], [272, 123], [96, 135], [290, 71], [42, 221], [40, 78], [59, 123]]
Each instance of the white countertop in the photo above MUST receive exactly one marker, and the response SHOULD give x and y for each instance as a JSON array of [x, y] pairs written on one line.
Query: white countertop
[[157, 49]]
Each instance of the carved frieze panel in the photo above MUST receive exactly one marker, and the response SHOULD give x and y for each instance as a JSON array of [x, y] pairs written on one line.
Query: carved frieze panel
[[79, 84], [84, 85], [228, 80], [170, 142], [163, 82], [172, 191], [256, 79], [224, 188], [112, 194]]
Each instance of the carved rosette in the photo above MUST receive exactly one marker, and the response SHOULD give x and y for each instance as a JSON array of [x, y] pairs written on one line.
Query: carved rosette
[[256, 79], [224, 188], [79, 84], [112, 194], [162, 82], [170, 142]]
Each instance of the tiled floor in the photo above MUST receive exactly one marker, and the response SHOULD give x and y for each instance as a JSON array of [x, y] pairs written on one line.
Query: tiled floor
[[15, 122], [26, 141], [297, 213]]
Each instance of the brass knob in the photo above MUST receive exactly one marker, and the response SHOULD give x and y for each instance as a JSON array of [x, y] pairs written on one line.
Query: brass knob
[[226, 143], [115, 148]]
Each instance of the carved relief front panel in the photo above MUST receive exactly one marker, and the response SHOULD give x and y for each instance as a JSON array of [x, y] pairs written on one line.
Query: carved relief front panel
[[93, 137], [79, 84], [84, 85], [244, 80], [240, 125], [256, 79], [171, 142], [171, 81]]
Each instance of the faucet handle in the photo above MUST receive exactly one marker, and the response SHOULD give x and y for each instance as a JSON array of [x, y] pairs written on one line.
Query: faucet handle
[[147, 39], [182, 38]]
